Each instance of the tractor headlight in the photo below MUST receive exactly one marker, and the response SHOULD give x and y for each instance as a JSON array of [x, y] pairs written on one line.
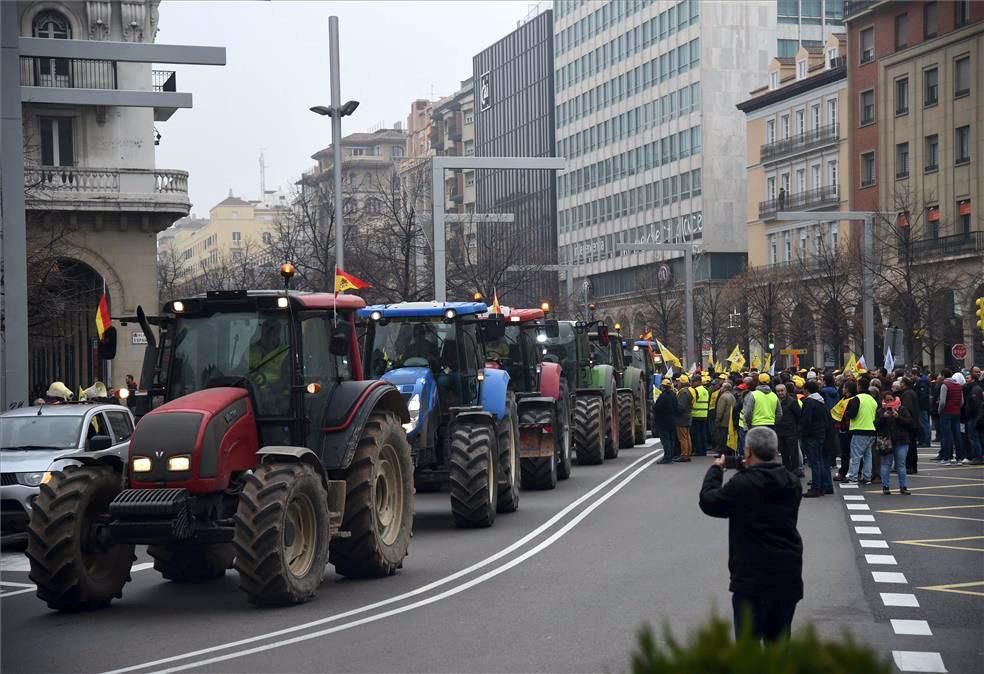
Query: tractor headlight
[[376, 315], [179, 464], [413, 407], [541, 337], [178, 306], [450, 314], [33, 479], [141, 464]]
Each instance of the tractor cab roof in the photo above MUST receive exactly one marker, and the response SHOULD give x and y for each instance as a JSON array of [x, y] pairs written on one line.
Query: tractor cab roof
[[645, 343], [422, 310], [521, 315], [300, 300]]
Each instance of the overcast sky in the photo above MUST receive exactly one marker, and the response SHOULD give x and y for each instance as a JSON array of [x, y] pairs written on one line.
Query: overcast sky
[[277, 67]]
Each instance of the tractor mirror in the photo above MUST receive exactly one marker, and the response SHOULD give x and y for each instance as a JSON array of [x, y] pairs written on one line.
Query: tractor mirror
[[552, 328], [603, 335], [341, 340], [493, 329], [99, 443], [107, 345]]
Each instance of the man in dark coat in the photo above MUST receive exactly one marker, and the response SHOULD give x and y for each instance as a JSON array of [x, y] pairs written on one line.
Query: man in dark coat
[[664, 418], [787, 427], [910, 401], [765, 551], [815, 426]]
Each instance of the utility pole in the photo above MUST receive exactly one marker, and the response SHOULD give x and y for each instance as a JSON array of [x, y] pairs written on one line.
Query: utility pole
[[336, 142]]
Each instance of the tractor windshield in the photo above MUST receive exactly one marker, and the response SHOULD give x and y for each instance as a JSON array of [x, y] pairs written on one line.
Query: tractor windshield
[[600, 354], [228, 348], [515, 353], [419, 343], [638, 359]]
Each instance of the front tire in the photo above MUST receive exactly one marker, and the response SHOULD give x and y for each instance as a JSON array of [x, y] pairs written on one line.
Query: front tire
[[73, 564], [625, 404], [539, 472], [612, 427], [378, 502], [589, 418], [472, 482], [642, 414], [192, 563], [281, 534], [563, 425], [508, 444]]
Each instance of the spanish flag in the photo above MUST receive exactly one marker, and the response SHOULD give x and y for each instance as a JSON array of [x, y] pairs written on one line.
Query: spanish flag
[[345, 281], [103, 319]]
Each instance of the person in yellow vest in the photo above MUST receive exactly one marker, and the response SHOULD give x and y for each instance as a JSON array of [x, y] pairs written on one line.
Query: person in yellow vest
[[860, 414], [698, 425], [268, 368], [761, 407]]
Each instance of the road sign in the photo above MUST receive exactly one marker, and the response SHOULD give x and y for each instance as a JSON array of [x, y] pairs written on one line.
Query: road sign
[[792, 352], [138, 339], [959, 351]]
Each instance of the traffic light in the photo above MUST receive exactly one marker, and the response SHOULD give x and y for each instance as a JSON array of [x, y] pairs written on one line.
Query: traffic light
[[772, 341]]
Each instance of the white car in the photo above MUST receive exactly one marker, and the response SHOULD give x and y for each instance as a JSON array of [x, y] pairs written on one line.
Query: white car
[[35, 441]]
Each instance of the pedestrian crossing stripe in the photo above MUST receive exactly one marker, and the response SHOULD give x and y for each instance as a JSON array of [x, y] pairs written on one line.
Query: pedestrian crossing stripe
[[920, 512], [934, 543], [955, 588]]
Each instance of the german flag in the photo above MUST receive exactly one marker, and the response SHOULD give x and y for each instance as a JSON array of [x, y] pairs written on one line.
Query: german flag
[[103, 319], [345, 281]]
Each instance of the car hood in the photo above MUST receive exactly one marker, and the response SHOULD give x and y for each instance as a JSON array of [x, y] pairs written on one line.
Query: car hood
[[30, 460]]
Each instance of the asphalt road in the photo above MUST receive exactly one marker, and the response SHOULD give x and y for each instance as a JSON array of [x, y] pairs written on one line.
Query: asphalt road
[[563, 585]]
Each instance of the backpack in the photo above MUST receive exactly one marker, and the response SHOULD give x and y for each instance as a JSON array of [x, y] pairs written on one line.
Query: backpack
[[923, 392]]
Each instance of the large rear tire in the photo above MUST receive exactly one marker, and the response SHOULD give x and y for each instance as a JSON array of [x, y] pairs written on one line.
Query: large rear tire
[[473, 485], [539, 472], [192, 563], [625, 403], [642, 415], [508, 443], [612, 426], [281, 534], [378, 502], [589, 443], [562, 429], [73, 564]]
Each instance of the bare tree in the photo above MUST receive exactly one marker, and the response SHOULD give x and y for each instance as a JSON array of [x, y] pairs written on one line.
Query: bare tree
[[306, 236], [767, 298], [172, 273], [663, 306], [711, 315]]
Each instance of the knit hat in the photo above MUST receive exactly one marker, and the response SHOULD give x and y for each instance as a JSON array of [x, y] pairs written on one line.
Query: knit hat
[[811, 375]]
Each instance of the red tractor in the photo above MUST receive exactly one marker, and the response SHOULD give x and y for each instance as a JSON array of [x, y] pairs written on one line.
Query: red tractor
[[266, 452], [542, 396]]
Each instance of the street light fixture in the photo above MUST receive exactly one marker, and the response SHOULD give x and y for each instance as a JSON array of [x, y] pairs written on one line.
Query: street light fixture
[[329, 111]]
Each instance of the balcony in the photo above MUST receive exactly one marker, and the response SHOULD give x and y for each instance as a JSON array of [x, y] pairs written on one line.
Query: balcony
[[854, 7], [454, 132], [67, 73], [164, 80], [956, 245], [801, 142], [66, 188], [821, 197]]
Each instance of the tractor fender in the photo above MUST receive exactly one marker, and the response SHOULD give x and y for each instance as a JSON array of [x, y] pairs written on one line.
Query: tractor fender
[[291, 453], [589, 391], [550, 374], [494, 391], [541, 402], [349, 409], [603, 376], [473, 415], [631, 379]]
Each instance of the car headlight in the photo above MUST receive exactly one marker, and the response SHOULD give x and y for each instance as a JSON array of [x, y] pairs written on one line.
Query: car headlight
[[33, 479], [179, 464], [141, 464], [413, 407]]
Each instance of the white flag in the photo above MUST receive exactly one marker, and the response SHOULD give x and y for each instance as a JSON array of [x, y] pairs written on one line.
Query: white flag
[[861, 364], [772, 369], [889, 360]]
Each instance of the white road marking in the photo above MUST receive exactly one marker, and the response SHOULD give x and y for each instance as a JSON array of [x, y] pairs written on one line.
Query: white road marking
[[918, 661], [649, 459], [867, 530], [853, 497], [14, 561], [847, 486], [919, 628], [872, 543], [899, 599], [889, 577], [858, 506], [24, 588], [862, 518], [881, 559]]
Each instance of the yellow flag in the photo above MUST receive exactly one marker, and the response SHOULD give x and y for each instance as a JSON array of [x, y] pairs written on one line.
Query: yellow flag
[[756, 362], [735, 354], [838, 410], [767, 365], [851, 365], [667, 355], [738, 364]]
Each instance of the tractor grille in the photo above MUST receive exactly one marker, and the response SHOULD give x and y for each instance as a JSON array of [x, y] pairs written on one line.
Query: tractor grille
[[148, 502], [7, 479]]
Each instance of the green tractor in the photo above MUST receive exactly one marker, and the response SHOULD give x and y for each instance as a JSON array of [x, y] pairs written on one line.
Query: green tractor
[[630, 391], [642, 354]]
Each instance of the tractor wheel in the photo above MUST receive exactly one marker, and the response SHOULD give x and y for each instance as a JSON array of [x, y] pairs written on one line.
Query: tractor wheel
[[626, 419], [473, 485], [378, 502], [508, 443], [73, 562], [613, 425], [539, 472], [281, 534], [642, 417], [192, 563], [589, 443], [562, 429]]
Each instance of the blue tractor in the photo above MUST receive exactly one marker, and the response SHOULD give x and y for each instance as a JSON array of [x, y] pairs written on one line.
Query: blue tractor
[[464, 426]]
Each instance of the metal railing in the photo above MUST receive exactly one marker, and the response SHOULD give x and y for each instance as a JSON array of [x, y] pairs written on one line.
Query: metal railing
[[165, 80], [945, 246], [801, 141], [815, 198], [51, 181], [67, 73], [854, 7]]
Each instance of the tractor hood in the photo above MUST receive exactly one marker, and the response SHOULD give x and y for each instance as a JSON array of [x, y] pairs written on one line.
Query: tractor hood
[[419, 382], [408, 380]]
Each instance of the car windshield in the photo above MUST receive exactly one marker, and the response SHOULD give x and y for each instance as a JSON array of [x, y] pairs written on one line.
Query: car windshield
[[414, 343], [40, 432]]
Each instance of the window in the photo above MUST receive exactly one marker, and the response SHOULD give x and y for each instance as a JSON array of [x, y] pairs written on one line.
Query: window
[[930, 26], [933, 220], [932, 152], [787, 247], [901, 34], [832, 111], [867, 45], [801, 180], [961, 13], [396, 151], [800, 122], [962, 145], [770, 131], [815, 175], [119, 422], [772, 249], [867, 169], [57, 141], [901, 161], [784, 182], [788, 48], [267, 238], [831, 56], [834, 230], [52, 72], [358, 151], [774, 80], [963, 216], [931, 86], [770, 187], [801, 69], [902, 96], [867, 107], [469, 117], [785, 126], [961, 76], [237, 237], [815, 110]]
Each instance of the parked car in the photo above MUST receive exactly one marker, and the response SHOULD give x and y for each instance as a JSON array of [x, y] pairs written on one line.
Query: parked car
[[34, 440]]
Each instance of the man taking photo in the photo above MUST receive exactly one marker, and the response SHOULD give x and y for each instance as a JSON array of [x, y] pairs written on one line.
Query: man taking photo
[[765, 551]]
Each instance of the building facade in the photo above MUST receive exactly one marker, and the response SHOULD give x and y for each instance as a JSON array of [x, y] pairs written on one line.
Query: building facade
[[514, 117], [644, 92], [916, 111], [806, 23]]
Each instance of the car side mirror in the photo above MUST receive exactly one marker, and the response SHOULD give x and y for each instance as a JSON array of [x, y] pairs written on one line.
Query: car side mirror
[[603, 338], [341, 340], [99, 443], [552, 328]]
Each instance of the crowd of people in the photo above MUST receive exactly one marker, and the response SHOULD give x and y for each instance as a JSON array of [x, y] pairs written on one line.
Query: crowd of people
[[851, 426]]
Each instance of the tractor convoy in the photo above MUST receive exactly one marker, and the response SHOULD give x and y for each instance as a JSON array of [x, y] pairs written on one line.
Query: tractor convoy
[[272, 442]]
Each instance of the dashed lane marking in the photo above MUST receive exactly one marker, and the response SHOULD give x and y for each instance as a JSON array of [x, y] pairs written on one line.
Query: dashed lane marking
[[853, 497], [918, 661], [858, 506], [872, 543], [976, 483], [956, 588], [899, 599], [862, 518], [869, 531], [916, 628], [893, 577], [935, 543], [888, 560]]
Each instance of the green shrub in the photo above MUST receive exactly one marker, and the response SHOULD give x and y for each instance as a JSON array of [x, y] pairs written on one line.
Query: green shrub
[[712, 651]]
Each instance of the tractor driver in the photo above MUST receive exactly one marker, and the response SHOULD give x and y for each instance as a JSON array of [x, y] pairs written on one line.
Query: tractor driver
[[269, 368], [422, 345]]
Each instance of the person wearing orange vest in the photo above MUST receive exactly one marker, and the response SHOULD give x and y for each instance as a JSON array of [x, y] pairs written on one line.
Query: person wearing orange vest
[[860, 414]]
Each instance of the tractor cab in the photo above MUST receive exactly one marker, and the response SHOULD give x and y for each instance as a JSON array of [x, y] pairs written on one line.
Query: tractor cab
[[606, 349], [641, 353], [520, 349], [570, 348]]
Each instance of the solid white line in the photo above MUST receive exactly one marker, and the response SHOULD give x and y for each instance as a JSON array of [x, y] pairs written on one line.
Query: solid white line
[[918, 661], [141, 567], [423, 602], [881, 559], [654, 455], [868, 530], [853, 497], [919, 628], [858, 506], [899, 599], [889, 577], [862, 518], [10, 582], [872, 543], [14, 561], [14, 593]]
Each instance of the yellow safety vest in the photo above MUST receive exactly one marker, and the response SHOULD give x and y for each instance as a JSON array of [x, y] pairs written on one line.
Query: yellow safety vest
[[712, 405], [764, 412], [865, 418], [700, 403], [269, 364]]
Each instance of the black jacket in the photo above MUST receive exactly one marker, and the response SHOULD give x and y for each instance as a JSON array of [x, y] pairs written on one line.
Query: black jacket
[[765, 551], [897, 427], [664, 412], [815, 421], [787, 425]]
